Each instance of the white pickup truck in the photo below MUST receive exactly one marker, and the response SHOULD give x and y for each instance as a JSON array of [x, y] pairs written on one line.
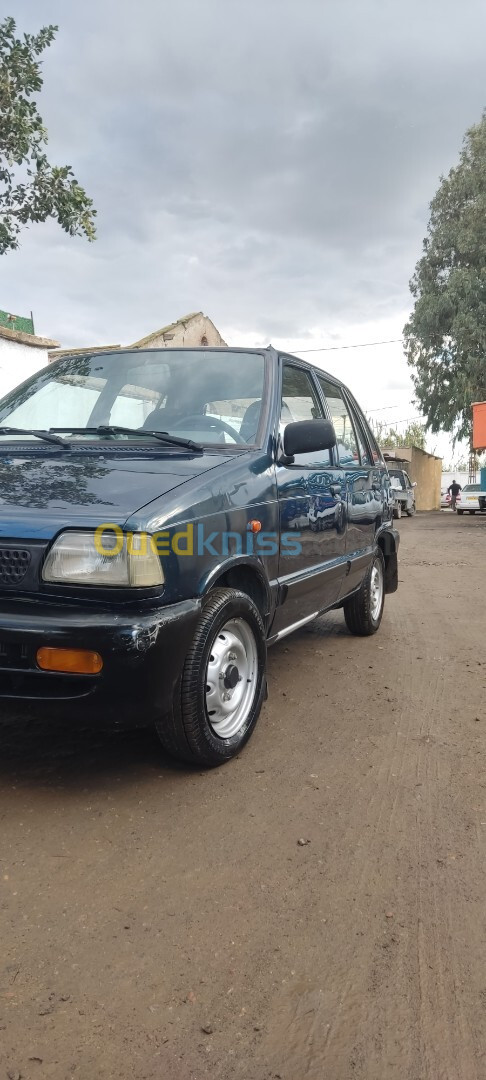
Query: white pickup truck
[[403, 492]]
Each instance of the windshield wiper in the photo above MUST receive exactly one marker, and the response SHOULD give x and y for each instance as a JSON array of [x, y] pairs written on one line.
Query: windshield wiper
[[115, 429], [31, 431], [162, 436]]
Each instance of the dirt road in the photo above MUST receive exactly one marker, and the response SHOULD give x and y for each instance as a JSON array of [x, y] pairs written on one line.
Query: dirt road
[[142, 904]]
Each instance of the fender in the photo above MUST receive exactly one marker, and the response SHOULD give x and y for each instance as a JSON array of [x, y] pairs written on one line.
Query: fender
[[238, 562], [388, 540]]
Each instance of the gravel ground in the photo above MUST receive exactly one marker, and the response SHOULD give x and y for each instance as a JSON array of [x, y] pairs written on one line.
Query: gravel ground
[[165, 924]]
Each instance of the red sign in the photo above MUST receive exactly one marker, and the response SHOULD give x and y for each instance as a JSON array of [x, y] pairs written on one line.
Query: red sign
[[479, 425]]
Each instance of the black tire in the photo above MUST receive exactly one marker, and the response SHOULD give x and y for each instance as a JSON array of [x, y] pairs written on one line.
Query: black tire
[[411, 512], [358, 610], [188, 734], [460, 511], [397, 511]]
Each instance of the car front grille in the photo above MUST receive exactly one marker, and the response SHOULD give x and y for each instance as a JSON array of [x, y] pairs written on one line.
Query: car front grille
[[14, 563], [13, 655]]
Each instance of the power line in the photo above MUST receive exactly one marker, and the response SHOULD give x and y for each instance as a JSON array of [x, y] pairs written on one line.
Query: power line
[[408, 419], [362, 345]]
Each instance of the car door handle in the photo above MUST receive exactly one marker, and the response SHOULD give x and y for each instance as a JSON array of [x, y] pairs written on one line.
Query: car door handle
[[335, 489]]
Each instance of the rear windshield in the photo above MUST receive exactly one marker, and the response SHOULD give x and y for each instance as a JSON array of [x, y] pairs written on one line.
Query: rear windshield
[[212, 397]]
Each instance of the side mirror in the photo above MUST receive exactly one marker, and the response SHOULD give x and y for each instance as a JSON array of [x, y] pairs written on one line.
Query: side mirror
[[414, 483], [307, 437]]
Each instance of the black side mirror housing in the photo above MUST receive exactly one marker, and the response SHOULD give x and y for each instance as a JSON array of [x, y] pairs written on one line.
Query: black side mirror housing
[[306, 437]]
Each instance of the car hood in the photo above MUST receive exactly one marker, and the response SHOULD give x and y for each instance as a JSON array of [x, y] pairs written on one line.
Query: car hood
[[40, 493]]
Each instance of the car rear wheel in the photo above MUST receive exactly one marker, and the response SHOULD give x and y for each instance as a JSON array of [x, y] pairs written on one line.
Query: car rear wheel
[[460, 511], [363, 611], [223, 682], [397, 510]]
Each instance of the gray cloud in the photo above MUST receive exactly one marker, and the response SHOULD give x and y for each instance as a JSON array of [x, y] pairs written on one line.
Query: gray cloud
[[269, 163]]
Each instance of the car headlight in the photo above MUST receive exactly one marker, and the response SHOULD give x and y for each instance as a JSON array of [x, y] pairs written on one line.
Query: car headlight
[[104, 558]]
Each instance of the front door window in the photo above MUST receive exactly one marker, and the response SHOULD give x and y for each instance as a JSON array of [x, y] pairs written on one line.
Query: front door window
[[300, 402]]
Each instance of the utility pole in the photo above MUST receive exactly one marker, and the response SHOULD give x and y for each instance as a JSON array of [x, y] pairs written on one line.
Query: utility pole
[[473, 466]]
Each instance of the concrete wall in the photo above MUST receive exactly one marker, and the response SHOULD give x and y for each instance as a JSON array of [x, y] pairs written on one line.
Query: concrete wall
[[19, 359], [426, 470], [197, 330], [423, 469]]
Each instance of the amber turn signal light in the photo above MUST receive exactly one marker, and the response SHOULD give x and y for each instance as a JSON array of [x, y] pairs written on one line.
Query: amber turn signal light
[[254, 526], [74, 661]]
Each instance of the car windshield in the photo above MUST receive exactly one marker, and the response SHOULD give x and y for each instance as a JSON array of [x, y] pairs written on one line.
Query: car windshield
[[397, 479], [211, 397]]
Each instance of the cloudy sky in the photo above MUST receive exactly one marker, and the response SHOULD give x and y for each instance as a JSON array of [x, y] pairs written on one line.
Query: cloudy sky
[[270, 162]]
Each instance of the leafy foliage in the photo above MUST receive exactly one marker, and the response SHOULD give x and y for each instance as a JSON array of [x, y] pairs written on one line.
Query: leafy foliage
[[413, 435], [30, 188], [445, 338]]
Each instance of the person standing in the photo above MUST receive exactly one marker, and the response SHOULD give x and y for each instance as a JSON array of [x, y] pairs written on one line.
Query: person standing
[[453, 491]]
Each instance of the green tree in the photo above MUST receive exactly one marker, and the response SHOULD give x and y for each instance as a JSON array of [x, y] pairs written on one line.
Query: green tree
[[445, 338], [30, 188], [413, 435]]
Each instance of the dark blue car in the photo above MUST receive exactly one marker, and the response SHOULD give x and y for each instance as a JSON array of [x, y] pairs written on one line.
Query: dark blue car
[[158, 514]]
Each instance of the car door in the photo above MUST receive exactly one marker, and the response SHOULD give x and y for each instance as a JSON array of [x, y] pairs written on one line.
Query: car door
[[410, 491], [312, 513], [364, 484]]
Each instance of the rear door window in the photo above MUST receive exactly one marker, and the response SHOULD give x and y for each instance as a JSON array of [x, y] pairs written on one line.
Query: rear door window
[[364, 452], [346, 437]]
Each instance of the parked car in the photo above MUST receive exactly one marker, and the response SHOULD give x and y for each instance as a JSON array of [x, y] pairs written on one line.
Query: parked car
[[445, 499], [470, 500], [403, 492], [151, 549]]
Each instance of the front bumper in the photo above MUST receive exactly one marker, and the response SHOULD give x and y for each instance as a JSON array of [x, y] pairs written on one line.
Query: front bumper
[[143, 655]]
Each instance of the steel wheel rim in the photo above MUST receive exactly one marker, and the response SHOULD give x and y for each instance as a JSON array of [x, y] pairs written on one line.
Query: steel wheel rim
[[231, 678], [376, 591]]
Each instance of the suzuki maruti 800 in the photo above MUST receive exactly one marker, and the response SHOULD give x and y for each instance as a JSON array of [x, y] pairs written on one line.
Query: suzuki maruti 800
[[167, 514]]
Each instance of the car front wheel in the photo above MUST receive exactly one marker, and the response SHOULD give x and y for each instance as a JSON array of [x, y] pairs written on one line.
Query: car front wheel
[[411, 510], [223, 682], [363, 611]]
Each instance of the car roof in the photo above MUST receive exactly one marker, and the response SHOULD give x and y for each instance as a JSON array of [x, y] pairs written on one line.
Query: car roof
[[309, 365], [267, 350]]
